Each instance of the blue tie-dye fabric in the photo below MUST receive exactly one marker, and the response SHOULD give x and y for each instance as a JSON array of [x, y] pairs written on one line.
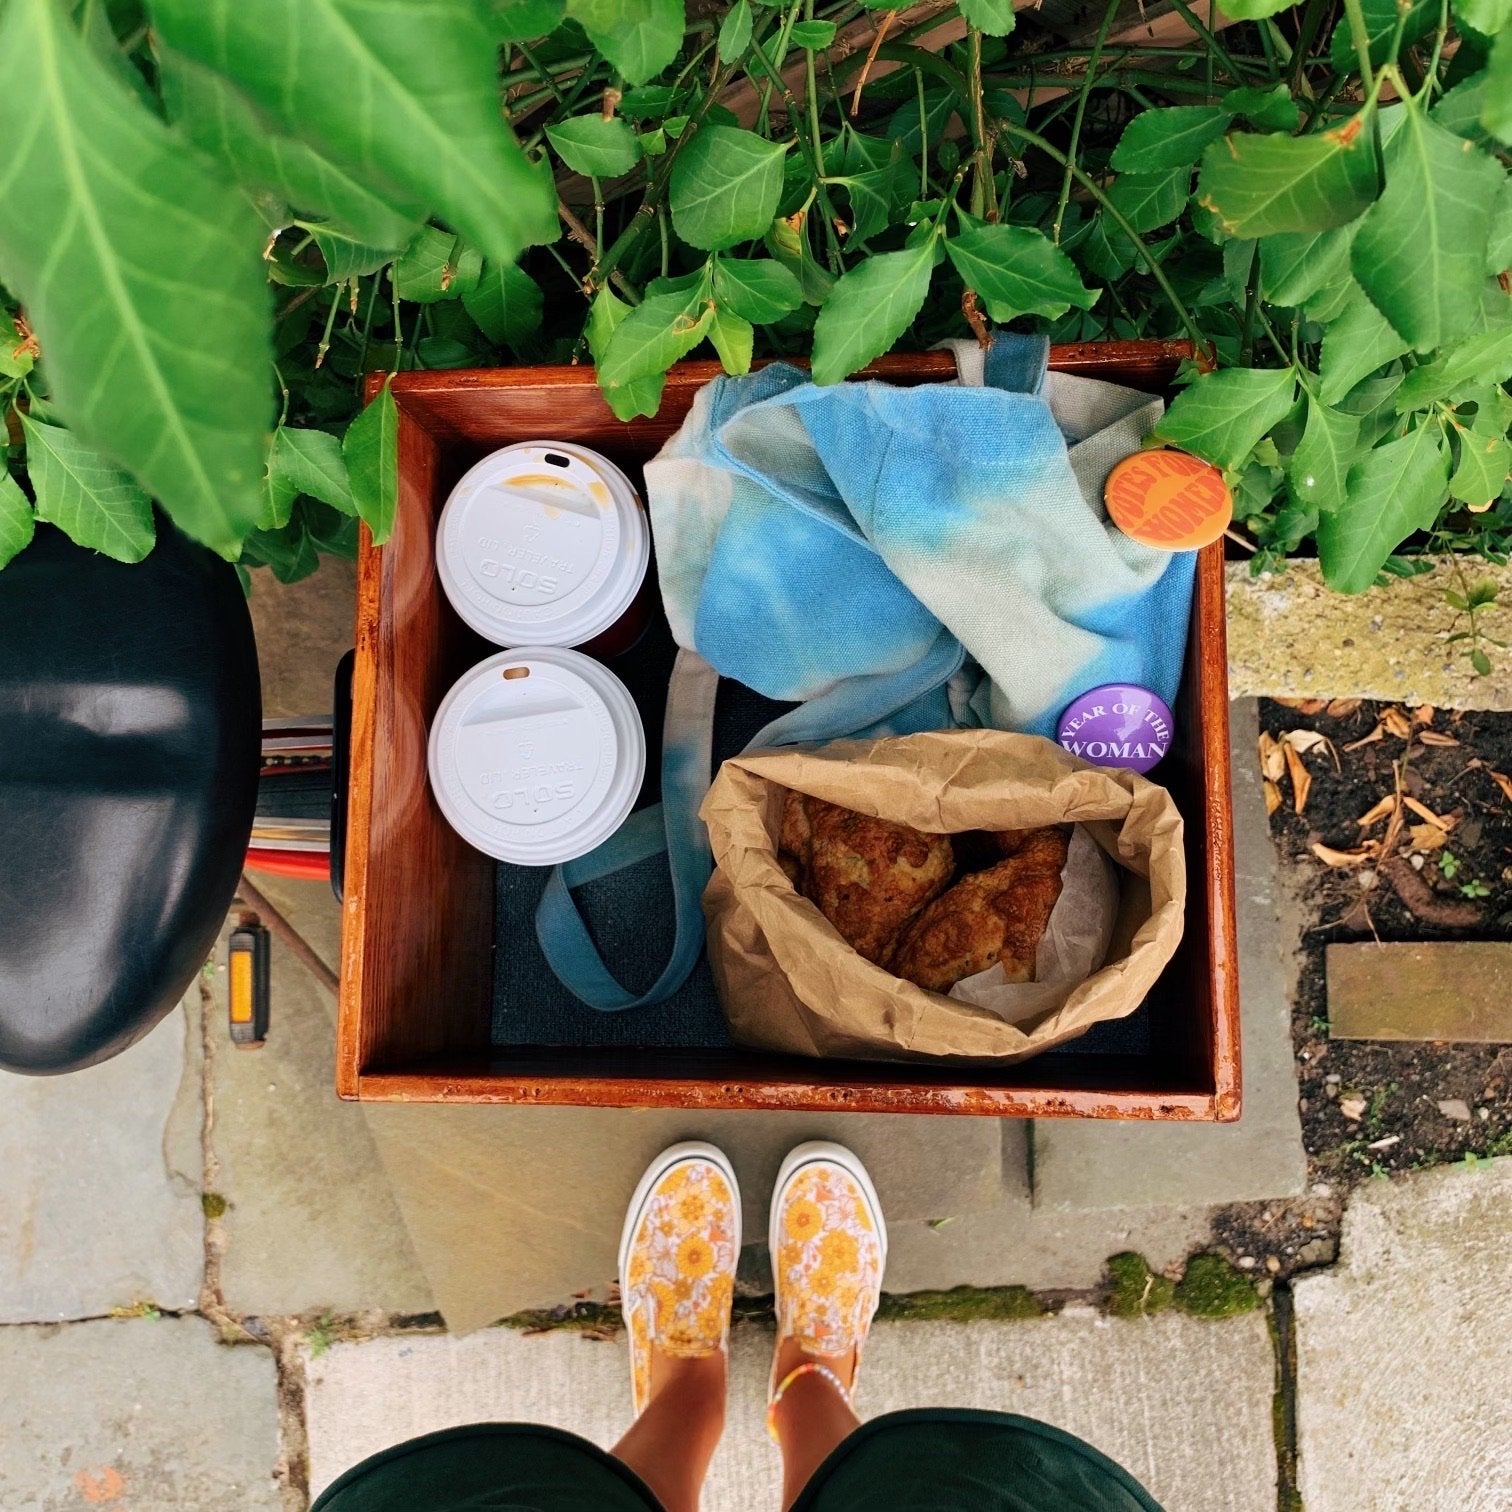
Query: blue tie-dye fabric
[[893, 559]]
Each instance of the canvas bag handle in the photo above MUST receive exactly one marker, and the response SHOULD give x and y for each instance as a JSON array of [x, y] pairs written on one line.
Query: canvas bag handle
[[1013, 362]]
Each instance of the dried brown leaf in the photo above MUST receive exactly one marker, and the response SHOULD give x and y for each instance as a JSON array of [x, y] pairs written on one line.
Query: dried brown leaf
[[1378, 811], [1424, 812], [1272, 792], [1503, 782], [1396, 723], [1342, 708], [1426, 837], [1423, 714], [1301, 778], [1272, 762], [1305, 741], [1304, 705], [1337, 858], [1433, 738], [1379, 733]]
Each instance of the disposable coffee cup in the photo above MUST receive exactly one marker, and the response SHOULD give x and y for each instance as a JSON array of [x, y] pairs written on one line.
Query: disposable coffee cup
[[546, 543], [537, 756]]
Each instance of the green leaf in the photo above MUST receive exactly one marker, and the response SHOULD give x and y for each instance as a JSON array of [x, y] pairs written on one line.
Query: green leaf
[[288, 551], [1268, 109], [436, 265], [1258, 185], [1157, 140], [222, 121], [1355, 345], [140, 272], [1381, 20], [1221, 416], [1393, 490], [760, 290], [1151, 200], [639, 37], [1421, 249], [1484, 462], [1460, 110], [347, 258], [791, 248], [814, 35], [869, 309], [1480, 359], [1107, 251], [995, 17], [1018, 271], [311, 462], [725, 186], [1496, 114], [1319, 468], [1294, 265], [665, 326], [507, 304], [371, 451], [406, 95], [1499, 247], [591, 145], [734, 339], [642, 397], [1253, 10], [91, 501], [17, 522], [735, 32], [279, 495], [524, 20], [870, 197]]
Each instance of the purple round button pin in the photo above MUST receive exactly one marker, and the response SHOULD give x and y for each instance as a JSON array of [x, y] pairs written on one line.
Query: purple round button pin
[[1117, 725]]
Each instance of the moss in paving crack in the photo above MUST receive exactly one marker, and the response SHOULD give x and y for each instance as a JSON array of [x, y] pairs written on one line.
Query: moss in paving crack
[[1135, 1291], [963, 1304], [1212, 1288], [214, 1204]]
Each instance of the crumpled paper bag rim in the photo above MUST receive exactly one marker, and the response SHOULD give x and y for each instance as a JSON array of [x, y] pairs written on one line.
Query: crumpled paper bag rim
[[787, 979]]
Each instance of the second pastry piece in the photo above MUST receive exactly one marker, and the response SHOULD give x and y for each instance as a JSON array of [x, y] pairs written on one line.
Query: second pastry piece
[[992, 916], [867, 876]]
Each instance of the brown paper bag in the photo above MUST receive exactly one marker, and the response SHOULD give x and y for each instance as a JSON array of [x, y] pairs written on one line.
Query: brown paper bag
[[789, 982]]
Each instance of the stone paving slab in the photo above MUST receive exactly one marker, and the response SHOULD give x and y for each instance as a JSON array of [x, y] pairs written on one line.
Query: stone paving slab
[[140, 1414], [1403, 1350], [1427, 990], [511, 1208], [1158, 1395], [100, 1182], [1093, 1164], [311, 1224], [1289, 636]]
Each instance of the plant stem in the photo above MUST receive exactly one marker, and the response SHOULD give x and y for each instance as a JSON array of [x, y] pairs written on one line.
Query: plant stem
[[1097, 192], [1109, 12], [1251, 304], [1359, 34], [1217, 48], [817, 145], [983, 190]]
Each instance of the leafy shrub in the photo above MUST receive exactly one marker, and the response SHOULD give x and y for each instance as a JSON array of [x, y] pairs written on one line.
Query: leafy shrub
[[1317, 198]]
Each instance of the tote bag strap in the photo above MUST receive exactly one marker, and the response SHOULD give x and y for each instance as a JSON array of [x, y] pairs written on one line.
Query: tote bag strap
[[1013, 362]]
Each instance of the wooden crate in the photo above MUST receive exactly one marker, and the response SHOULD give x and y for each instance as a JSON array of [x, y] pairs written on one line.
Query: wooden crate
[[417, 928]]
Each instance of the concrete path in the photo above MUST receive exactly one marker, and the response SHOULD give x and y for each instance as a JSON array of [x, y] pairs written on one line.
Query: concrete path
[[1404, 1350], [1156, 1395], [139, 1415]]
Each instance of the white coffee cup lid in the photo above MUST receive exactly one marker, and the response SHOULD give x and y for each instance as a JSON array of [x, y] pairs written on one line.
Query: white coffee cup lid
[[544, 543], [537, 756]]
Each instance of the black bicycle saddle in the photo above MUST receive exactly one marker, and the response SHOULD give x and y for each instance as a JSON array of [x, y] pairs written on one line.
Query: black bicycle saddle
[[130, 721]]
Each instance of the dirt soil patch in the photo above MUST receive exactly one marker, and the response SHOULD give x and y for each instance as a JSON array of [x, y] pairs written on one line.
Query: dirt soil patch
[[1391, 823]]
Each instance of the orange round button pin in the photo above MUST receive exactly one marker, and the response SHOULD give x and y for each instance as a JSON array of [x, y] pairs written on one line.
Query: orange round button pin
[[1168, 499]]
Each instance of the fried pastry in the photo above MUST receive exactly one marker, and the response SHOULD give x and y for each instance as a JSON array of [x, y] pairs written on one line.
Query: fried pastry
[[997, 915], [868, 876]]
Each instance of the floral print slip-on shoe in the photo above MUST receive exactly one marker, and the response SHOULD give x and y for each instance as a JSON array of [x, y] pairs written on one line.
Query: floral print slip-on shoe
[[677, 1259], [829, 1249]]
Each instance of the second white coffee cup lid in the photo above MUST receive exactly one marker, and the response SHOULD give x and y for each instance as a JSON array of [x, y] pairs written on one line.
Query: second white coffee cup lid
[[537, 756], [543, 543]]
